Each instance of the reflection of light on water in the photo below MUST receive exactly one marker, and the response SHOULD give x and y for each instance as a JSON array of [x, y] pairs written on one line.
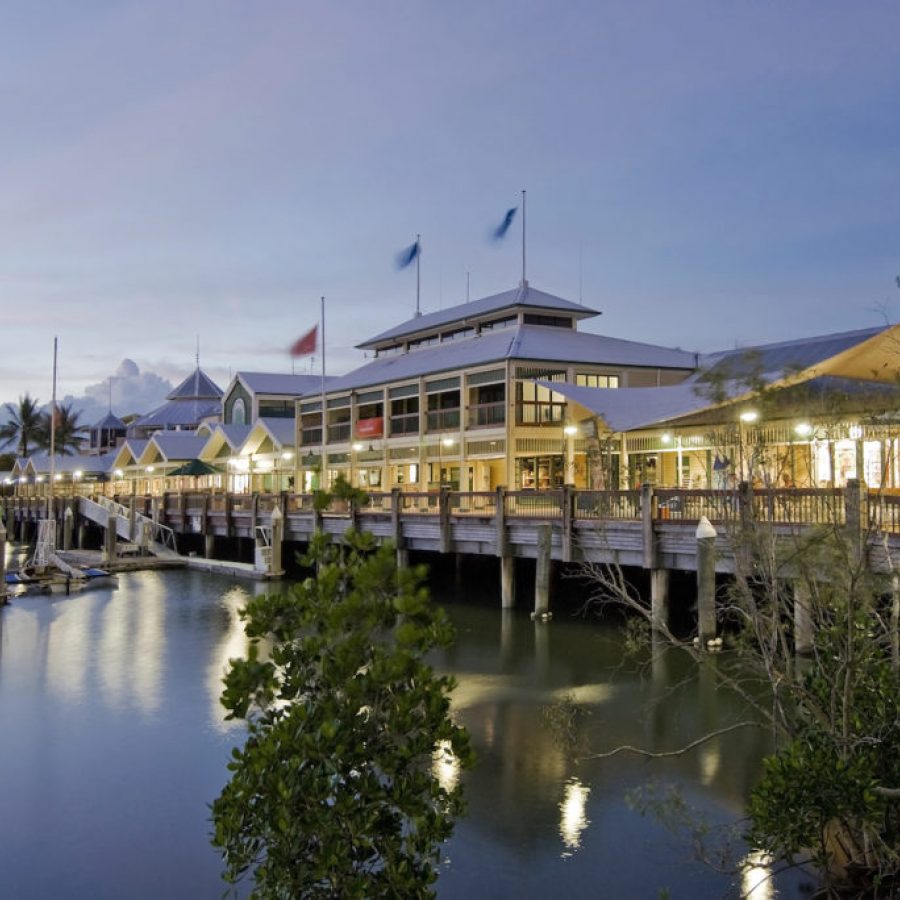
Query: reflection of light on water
[[710, 760], [573, 808], [149, 643], [445, 766], [68, 644], [756, 877], [233, 645]]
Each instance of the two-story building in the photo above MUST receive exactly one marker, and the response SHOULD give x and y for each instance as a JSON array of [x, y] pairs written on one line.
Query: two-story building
[[451, 397]]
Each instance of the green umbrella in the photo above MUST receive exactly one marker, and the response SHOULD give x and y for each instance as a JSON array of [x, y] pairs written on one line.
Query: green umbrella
[[195, 467]]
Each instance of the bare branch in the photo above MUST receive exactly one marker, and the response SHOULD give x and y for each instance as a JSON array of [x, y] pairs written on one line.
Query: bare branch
[[666, 753]]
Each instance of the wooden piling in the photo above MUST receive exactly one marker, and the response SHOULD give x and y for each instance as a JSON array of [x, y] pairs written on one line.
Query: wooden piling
[[706, 581], [542, 571]]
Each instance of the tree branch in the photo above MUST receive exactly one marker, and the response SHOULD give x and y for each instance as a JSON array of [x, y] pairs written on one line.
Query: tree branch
[[665, 753], [890, 793]]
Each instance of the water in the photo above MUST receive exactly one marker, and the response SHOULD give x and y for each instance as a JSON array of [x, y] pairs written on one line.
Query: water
[[113, 744]]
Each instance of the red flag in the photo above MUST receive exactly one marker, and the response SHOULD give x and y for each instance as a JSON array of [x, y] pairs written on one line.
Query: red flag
[[307, 344]]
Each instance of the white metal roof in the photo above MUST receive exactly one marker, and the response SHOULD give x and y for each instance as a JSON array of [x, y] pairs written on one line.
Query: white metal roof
[[526, 342], [526, 296]]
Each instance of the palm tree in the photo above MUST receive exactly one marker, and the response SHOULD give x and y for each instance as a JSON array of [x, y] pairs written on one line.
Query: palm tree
[[23, 430], [69, 431]]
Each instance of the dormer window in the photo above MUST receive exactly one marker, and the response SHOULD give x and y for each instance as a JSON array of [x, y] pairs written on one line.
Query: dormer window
[[497, 324], [552, 321], [457, 334]]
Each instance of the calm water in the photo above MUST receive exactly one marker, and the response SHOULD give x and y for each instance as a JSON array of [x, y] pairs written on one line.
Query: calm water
[[112, 745]]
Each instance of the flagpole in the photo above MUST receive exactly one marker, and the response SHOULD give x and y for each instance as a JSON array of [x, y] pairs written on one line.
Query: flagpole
[[322, 485], [524, 282], [418, 257]]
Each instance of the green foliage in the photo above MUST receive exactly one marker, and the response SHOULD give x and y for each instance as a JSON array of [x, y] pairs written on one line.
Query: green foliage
[[820, 793], [23, 428], [341, 491], [334, 792], [69, 432]]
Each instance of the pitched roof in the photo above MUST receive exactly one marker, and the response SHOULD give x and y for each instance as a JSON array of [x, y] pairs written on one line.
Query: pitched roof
[[197, 386], [530, 342], [816, 361], [178, 445], [282, 431], [109, 422], [283, 384], [178, 412], [784, 356], [526, 296]]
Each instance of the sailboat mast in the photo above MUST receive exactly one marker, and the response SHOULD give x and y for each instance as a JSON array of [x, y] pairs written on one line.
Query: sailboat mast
[[52, 435]]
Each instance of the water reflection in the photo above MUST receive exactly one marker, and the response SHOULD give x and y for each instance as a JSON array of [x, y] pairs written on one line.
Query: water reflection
[[232, 644], [756, 877], [573, 818], [445, 766]]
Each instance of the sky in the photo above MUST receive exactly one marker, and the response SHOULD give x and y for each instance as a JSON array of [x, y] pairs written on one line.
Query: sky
[[708, 174]]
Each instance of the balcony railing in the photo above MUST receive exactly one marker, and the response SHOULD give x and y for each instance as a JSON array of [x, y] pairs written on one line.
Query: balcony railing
[[443, 419], [484, 415]]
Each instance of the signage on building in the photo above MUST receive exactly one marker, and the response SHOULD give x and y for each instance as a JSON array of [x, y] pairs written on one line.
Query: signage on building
[[373, 427]]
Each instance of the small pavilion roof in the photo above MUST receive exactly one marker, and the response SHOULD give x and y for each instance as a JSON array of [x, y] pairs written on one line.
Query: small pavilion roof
[[178, 413], [110, 422], [39, 464], [522, 296], [281, 432], [197, 386]]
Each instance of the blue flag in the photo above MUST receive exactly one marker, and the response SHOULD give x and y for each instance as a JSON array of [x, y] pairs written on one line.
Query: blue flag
[[408, 256], [500, 231]]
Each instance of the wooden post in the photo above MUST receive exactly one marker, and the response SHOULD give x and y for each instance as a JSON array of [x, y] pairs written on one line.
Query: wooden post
[[507, 582], [2, 563], [68, 524], [109, 550], [397, 528], [659, 598], [542, 571], [706, 581], [853, 512], [568, 522], [132, 515], [444, 518], [648, 514], [275, 568], [209, 545], [507, 561]]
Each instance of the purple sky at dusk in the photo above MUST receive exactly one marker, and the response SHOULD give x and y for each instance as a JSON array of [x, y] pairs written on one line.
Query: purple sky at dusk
[[728, 172]]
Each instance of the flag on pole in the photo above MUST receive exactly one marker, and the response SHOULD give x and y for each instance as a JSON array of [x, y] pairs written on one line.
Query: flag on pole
[[408, 256], [305, 345], [500, 231]]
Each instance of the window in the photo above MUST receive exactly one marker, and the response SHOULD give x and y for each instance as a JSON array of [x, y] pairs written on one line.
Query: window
[[458, 334], [538, 405], [497, 324], [424, 342], [443, 410], [553, 321], [405, 415], [587, 379], [239, 412], [487, 405]]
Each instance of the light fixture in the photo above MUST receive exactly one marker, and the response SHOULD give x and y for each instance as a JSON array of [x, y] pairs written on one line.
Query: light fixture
[[855, 432], [667, 438], [57, 477], [749, 415], [804, 429], [287, 455], [570, 430], [448, 442], [38, 479], [119, 473], [358, 446], [77, 474], [151, 468]]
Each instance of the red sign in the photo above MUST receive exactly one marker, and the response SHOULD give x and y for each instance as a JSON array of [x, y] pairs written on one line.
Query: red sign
[[373, 427]]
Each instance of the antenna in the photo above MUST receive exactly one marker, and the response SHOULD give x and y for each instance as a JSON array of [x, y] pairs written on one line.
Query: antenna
[[467, 287], [418, 280], [524, 279], [580, 278], [197, 357]]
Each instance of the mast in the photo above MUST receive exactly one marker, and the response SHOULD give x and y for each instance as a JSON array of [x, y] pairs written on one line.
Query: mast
[[52, 435], [418, 279], [323, 478]]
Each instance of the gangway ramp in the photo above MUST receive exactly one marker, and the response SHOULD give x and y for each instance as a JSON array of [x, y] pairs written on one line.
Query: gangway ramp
[[155, 538]]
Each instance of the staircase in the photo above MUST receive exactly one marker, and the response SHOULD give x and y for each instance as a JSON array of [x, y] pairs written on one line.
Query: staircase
[[155, 538]]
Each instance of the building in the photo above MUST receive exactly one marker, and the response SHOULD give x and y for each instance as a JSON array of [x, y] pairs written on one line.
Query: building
[[467, 397], [265, 395], [196, 400]]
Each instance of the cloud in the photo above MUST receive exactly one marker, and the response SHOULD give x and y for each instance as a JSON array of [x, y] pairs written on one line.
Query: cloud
[[131, 391]]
